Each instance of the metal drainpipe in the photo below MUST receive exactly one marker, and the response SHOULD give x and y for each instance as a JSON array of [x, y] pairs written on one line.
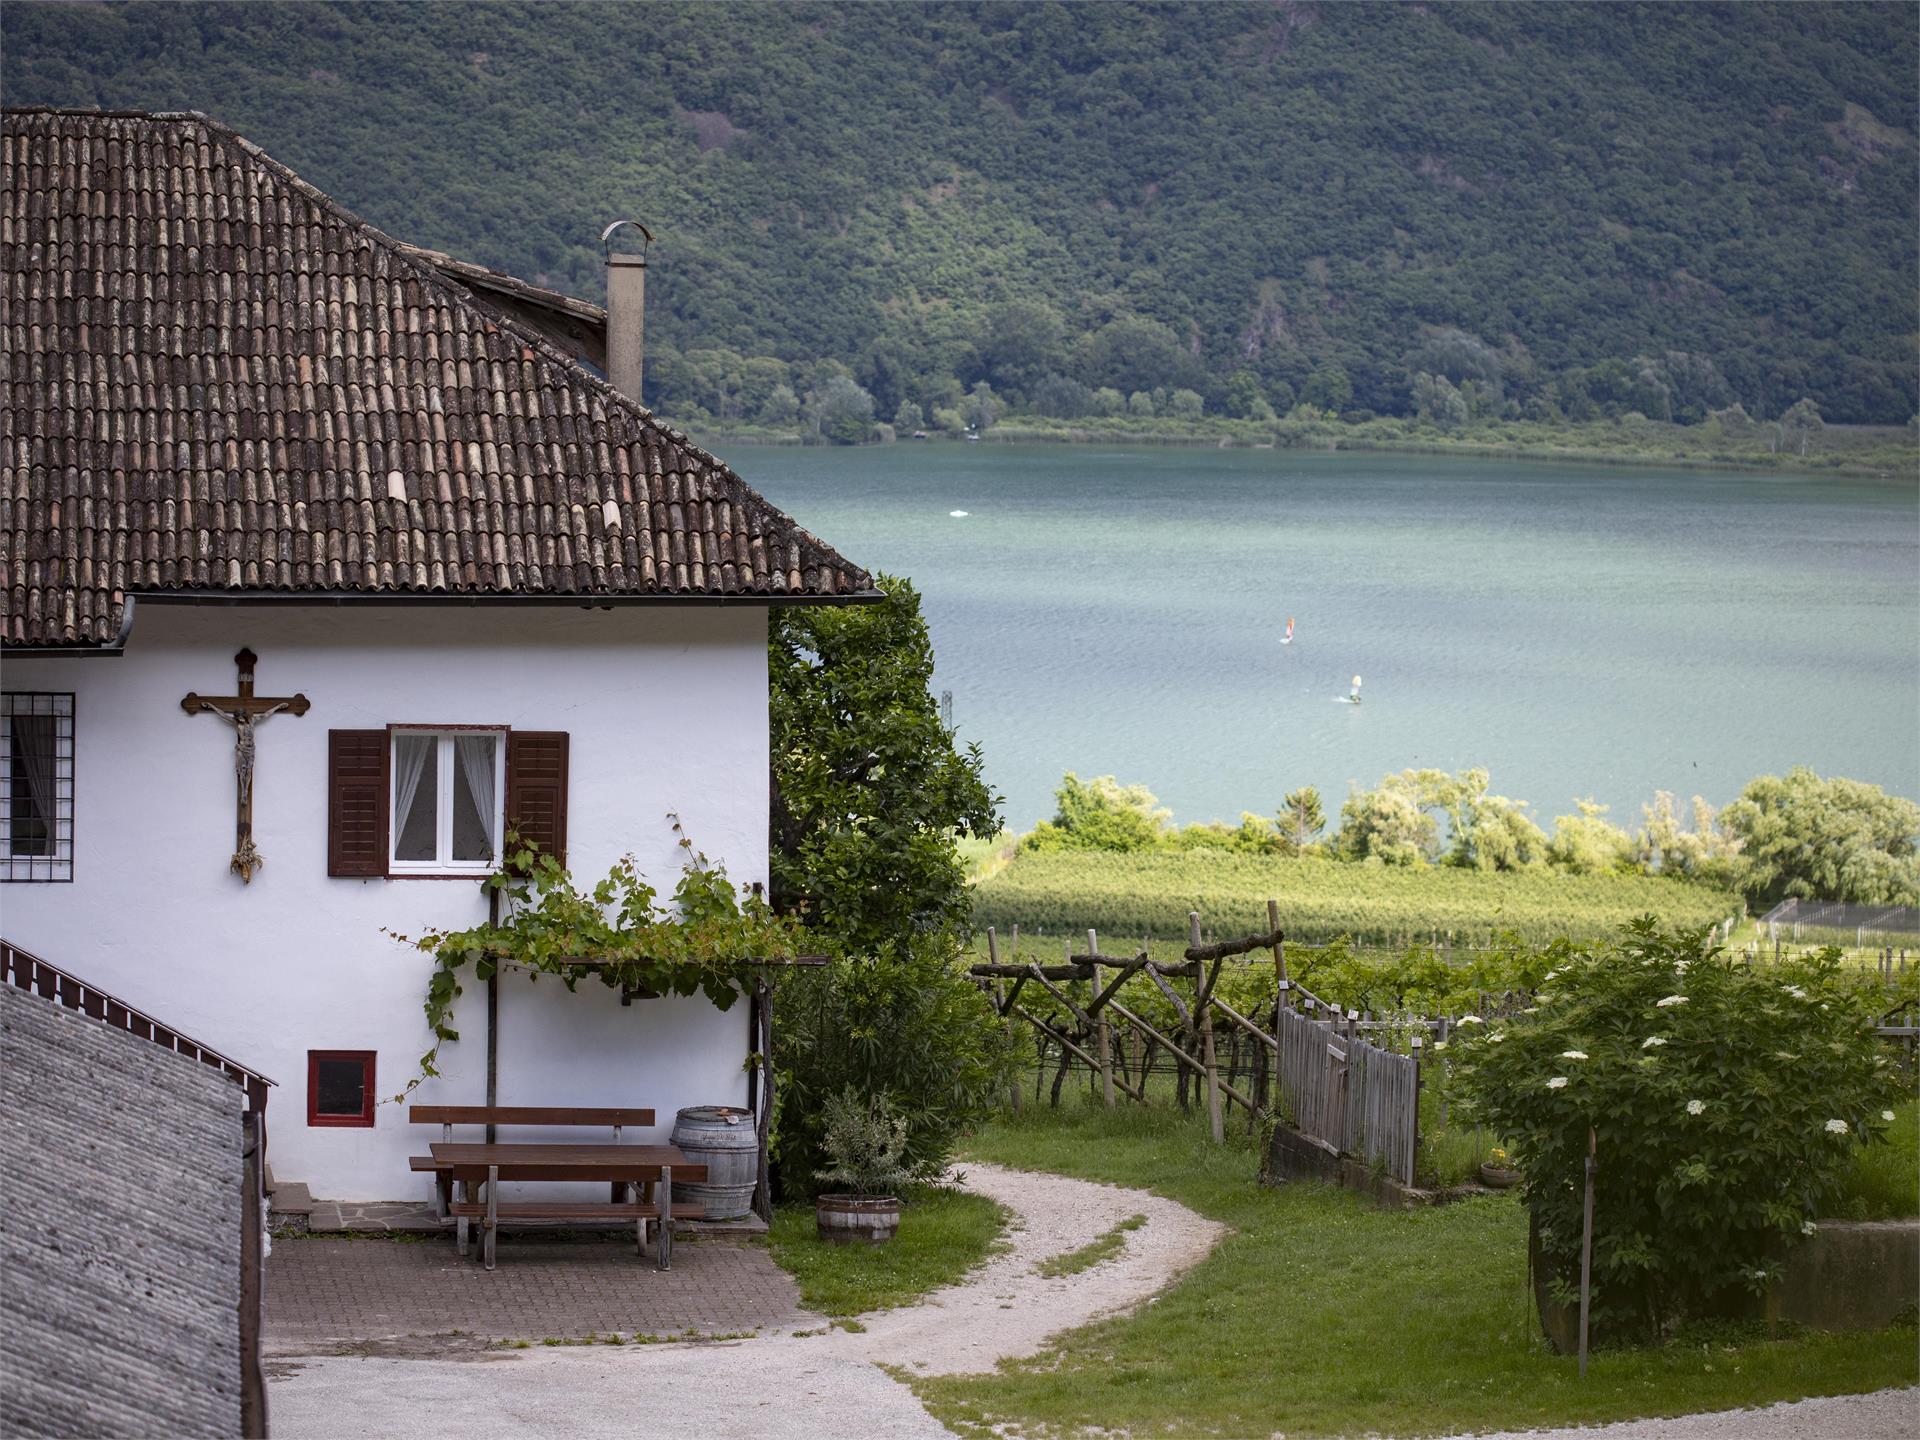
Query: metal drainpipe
[[493, 1018]]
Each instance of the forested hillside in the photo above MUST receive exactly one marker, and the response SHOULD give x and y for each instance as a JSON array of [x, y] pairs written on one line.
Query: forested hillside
[[1556, 209]]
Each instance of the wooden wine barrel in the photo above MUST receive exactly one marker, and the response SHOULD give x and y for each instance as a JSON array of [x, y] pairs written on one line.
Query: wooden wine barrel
[[721, 1137], [849, 1220]]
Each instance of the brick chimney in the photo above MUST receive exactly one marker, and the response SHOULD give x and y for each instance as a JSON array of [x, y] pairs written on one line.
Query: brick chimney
[[626, 311]]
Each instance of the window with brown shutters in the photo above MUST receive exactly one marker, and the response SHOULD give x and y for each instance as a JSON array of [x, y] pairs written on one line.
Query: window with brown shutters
[[364, 772], [357, 802], [537, 789]]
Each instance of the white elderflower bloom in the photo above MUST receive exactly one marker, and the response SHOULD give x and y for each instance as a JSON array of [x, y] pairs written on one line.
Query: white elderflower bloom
[[1653, 1040], [1836, 1127], [1696, 1107], [1887, 1115], [1573, 1054], [1439, 1045], [1681, 965], [1807, 1227], [1496, 1037], [1796, 992], [1471, 1020], [1671, 1000], [1558, 1082]]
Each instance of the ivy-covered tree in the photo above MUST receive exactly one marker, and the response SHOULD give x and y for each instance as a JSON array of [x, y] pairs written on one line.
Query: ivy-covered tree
[[869, 788]]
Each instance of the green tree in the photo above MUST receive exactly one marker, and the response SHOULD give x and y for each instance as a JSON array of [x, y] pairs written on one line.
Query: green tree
[[868, 786], [1328, 388], [1244, 395], [1436, 401], [908, 418], [781, 407], [1833, 839], [1302, 817], [1186, 405], [1022, 341], [982, 407], [1100, 814], [841, 411], [1132, 351], [1387, 825], [1801, 423], [1108, 401], [1664, 846], [1499, 835], [760, 375], [1140, 403], [1586, 844], [908, 1026], [1399, 822]]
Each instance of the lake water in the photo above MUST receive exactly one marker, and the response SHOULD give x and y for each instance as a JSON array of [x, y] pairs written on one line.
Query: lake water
[[1578, 630]]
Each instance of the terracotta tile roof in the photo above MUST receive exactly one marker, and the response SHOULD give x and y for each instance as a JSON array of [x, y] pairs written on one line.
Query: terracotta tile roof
[[217, 380]]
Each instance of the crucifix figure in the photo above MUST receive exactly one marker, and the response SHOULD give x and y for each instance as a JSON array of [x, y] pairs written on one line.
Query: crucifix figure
[[243, 712]]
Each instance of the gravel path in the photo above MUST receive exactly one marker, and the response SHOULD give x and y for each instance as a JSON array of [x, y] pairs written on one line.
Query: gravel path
[[799, 1386], [786, 1386], [1883, 1415]]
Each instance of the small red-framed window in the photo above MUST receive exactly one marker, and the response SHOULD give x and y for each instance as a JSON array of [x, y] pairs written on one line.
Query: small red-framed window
[[340, 1088]]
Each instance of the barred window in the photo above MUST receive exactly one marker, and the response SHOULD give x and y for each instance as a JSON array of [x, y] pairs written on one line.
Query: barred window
[[36, 768]]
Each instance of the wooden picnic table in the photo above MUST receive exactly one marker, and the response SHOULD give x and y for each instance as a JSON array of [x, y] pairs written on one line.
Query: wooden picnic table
[[629, 1168]]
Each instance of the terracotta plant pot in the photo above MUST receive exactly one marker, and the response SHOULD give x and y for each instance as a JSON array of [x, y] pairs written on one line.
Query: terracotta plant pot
[[1498, 1177], [850, 1220]]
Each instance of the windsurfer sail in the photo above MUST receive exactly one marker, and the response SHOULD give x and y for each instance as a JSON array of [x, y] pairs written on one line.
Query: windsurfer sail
[[1287, 639], [1353, 697]]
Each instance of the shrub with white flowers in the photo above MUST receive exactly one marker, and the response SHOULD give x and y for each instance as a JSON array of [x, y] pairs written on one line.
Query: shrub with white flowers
[[1714, 1154]]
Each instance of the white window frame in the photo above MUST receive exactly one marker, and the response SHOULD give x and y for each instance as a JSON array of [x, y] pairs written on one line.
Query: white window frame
[[446, 761]]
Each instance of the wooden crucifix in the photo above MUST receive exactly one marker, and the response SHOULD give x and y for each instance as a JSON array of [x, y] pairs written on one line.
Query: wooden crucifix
[[243, 712]]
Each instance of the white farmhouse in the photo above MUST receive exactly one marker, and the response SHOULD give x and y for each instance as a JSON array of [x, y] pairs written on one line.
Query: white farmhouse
[[476, 586]]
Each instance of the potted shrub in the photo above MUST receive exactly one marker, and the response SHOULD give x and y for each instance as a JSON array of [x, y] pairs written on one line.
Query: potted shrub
[[1496, 1173], [865, 1141]]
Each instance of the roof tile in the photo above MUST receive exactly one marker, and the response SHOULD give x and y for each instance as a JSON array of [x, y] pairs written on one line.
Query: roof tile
[[210, 373]]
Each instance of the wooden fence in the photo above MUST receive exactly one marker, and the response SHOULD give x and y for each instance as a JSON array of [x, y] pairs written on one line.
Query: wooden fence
[[1357, 1097], [1302, 1056], [1350, 1094]]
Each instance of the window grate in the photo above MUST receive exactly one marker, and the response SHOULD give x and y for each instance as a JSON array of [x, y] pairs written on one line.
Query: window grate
[[36, 785]]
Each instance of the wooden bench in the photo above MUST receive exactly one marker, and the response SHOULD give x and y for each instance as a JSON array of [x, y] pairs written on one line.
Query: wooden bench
[[629, 1169]]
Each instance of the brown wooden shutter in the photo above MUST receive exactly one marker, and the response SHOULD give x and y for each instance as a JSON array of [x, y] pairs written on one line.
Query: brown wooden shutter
[[537, 788], [357, 802]]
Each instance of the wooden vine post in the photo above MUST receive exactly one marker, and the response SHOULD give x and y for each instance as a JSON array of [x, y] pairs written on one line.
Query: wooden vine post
[[1202, 995], [1014, 1094], [1279, 959], [1103, 1035]]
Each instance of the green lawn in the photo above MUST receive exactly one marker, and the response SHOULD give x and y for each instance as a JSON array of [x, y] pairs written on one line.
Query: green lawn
[[943, 1235], [1885, 1180], [1321, 1315]]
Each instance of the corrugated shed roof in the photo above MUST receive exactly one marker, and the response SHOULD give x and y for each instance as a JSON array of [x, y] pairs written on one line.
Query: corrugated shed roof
[[218, 380]]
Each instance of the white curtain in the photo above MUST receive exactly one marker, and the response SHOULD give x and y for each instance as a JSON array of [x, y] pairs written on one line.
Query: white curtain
[[410, 759], [477, 754]]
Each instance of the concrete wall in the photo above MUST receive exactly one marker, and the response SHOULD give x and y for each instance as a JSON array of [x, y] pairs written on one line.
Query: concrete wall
[[120, 1177], [667, 710]]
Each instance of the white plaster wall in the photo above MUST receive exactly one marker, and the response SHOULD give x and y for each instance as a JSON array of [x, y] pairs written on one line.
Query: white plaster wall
[[666, 709]]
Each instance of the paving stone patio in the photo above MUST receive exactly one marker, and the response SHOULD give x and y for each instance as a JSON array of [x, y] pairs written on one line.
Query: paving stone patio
[[336, 1295]]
